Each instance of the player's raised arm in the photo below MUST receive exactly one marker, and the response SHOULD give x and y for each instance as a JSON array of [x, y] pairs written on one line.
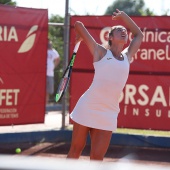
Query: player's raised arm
[[82, 34], [137, 33]]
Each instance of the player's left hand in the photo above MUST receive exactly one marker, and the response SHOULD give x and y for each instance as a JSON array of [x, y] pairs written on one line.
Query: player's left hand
[[117, 15]]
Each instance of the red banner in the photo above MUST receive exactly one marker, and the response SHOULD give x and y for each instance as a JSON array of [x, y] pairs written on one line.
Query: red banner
[[23, 46], [154, 53], [146, 104]]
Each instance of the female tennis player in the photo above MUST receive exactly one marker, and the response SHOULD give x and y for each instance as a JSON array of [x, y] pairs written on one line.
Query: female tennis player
[[97, 109]]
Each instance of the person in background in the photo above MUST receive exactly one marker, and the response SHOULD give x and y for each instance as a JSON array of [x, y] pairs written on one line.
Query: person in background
[[97, 109], [53, 60]]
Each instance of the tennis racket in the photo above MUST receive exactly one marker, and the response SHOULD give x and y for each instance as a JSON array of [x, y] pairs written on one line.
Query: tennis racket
[[66, 76]]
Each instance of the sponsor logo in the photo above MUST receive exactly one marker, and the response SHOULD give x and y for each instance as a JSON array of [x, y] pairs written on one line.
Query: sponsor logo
[[29, 41], [9, 34], [104, 35], [8, 97], [153, 37], [8, 102], [1, 81], [140, 96], [142, 102]]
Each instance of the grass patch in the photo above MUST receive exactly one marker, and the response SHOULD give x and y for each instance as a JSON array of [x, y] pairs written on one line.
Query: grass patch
[[143, 132]]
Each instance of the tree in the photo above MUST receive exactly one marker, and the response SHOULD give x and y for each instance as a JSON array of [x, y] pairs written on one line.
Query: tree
[[8, 2], [56, 35], [166, 12], [131, 7]]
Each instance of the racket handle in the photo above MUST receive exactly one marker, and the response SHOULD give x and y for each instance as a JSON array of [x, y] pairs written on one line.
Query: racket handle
[[76, 47]]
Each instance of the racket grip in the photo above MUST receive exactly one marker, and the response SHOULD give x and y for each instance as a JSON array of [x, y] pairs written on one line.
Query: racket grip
[[76, 47]]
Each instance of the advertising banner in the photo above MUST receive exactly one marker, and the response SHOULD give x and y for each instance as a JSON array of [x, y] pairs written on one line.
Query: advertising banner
[[145, 103], [23, 46], [146, 94]]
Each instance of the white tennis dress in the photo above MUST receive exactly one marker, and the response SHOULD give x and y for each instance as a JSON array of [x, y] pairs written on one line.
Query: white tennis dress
[[98, 107]]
